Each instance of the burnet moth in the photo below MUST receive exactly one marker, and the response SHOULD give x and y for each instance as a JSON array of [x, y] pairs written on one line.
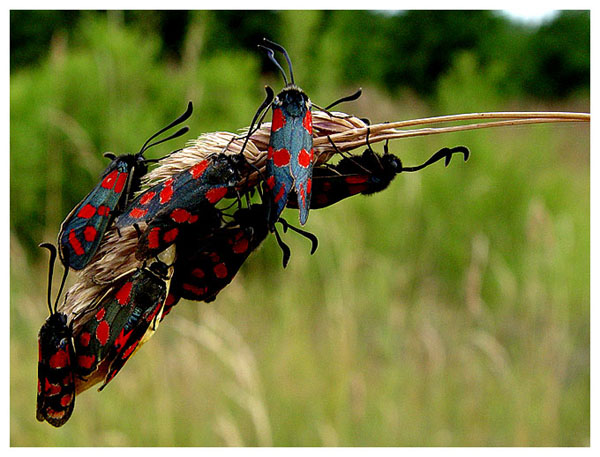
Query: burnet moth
[[83, 228], [56, 382], [183, 202], [366, 174], [123, 320], [208, 263], [290, 151]]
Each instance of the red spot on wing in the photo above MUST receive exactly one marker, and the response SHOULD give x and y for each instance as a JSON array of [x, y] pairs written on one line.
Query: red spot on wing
[[89, 233], [302, 195], [167, 192], [129, 351], [278, 120], [103, 332], [171, 235], [109, 181], [153, 238], [326, 186], [75, 243], [281, 157], [271, 182], [147, 197], [136, 213], [59, 359], [86, 361], [198, 291], [169, 302], [121, 180], [87, 211], [240, 246], [180, 215], [198, 273], [281, 193], [358, 188], [193, 219], [304, 158], [66, 399], [270, 152], [198, 169], [55, 414], [122, 338], [84, 338], [307, 122], [100, 314], [220, 270], [216, 194], [359, 179], [103, 210], [308, 186], [153, 314], [52, 389], [122, 295]]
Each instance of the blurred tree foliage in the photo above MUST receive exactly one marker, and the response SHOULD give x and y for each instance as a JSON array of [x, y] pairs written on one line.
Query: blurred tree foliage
[[413, 49]]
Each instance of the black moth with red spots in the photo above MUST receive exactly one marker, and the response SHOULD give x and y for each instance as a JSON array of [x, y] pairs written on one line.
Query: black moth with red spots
[[366, 174], [56, 382], [83, 228], [122, 321], [290, 153], [209, 263], [183, 203]]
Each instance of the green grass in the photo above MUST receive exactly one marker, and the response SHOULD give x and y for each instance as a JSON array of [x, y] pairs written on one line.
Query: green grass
[[450, 310]]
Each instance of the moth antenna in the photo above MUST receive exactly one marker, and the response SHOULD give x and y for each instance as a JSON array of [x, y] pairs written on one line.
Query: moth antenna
[[178, 133], [285, 54], [445, 153], [348, 98], [62, 285], [284, 248], [344, 154], [272, 58], [313, 239], [261, 109], [179, 120], [386, 149], [110, 155], [52, 250], [265, 104], [51, 264]]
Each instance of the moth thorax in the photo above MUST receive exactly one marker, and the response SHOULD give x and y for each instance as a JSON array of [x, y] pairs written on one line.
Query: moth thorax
[[293, 100]]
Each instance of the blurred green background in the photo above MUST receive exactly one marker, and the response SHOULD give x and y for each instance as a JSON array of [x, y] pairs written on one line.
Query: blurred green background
[[450, 310]]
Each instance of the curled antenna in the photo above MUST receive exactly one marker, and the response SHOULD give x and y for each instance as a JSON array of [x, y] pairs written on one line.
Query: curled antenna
[[272, 58], [281, 49], [52, 250], [261, 110], [444, 153], [349, 98], [313, 239], [284, 248], [179, 120]]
